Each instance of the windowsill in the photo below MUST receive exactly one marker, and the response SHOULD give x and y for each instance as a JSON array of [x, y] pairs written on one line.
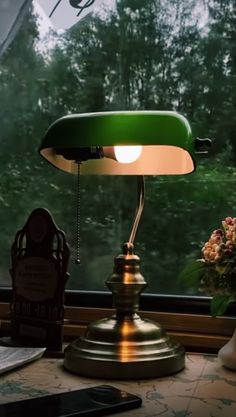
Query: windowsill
[[196, 332], [204, 387]]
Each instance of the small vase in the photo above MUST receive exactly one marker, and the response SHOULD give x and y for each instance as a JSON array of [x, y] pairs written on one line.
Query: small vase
[[227, 354]]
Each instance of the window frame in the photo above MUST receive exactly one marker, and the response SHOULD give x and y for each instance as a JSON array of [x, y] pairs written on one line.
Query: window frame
[[188, 304], [186, 318]]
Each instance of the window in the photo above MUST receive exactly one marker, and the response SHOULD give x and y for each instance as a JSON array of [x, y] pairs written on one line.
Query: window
[[167, 54]]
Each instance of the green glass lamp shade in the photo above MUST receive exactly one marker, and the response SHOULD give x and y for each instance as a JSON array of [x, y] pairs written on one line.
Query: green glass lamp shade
[[167, 145]]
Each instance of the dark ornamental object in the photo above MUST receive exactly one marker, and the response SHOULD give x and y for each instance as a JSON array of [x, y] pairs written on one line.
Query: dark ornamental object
[[40, 257]]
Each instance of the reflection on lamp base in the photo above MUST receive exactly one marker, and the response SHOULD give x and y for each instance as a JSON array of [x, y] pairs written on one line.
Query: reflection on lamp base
[[125, 349]]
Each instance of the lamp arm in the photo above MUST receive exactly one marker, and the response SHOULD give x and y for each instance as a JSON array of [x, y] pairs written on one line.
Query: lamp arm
[[139, 208]]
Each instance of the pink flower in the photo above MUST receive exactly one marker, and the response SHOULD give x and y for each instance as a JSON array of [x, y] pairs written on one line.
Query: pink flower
[[228, 220]]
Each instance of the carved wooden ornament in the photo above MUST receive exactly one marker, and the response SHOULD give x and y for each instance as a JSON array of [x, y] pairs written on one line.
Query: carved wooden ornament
[[40, 257]]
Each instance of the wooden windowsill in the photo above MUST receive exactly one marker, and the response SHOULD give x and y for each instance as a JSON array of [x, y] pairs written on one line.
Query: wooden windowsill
[[195, 332]]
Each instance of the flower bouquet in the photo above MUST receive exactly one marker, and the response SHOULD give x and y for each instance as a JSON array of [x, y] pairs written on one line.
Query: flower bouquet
[[216, 271]]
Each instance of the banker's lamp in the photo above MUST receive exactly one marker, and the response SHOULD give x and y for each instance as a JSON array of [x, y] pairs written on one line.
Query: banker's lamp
[[123, 143]]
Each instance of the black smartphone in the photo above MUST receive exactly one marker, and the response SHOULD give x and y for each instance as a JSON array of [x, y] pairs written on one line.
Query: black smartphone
[[95, 401]]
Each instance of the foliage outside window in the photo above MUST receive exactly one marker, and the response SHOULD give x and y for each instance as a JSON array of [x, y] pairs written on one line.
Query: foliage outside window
[[159, 55]]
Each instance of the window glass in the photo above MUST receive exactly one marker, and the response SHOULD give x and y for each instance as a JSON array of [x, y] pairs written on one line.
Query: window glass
[[131, 55]]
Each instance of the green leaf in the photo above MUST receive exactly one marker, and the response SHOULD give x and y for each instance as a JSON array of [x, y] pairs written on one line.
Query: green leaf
[[192, 272], [219, 304]]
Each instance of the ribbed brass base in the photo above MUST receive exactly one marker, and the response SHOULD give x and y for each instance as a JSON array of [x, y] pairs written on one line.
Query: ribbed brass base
[[124, 349], [125, 346]]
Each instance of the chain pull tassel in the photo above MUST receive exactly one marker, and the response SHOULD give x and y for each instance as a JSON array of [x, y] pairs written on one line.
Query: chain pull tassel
[[77, 260]]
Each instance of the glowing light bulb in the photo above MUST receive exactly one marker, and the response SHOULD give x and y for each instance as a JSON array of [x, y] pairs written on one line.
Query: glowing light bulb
[[127, 154]]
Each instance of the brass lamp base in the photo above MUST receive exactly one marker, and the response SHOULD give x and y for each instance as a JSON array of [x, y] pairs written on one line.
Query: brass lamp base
[[125, 346], [124, 349]]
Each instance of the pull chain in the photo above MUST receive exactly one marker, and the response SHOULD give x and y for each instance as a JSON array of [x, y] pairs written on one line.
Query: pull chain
[[77, 260]]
